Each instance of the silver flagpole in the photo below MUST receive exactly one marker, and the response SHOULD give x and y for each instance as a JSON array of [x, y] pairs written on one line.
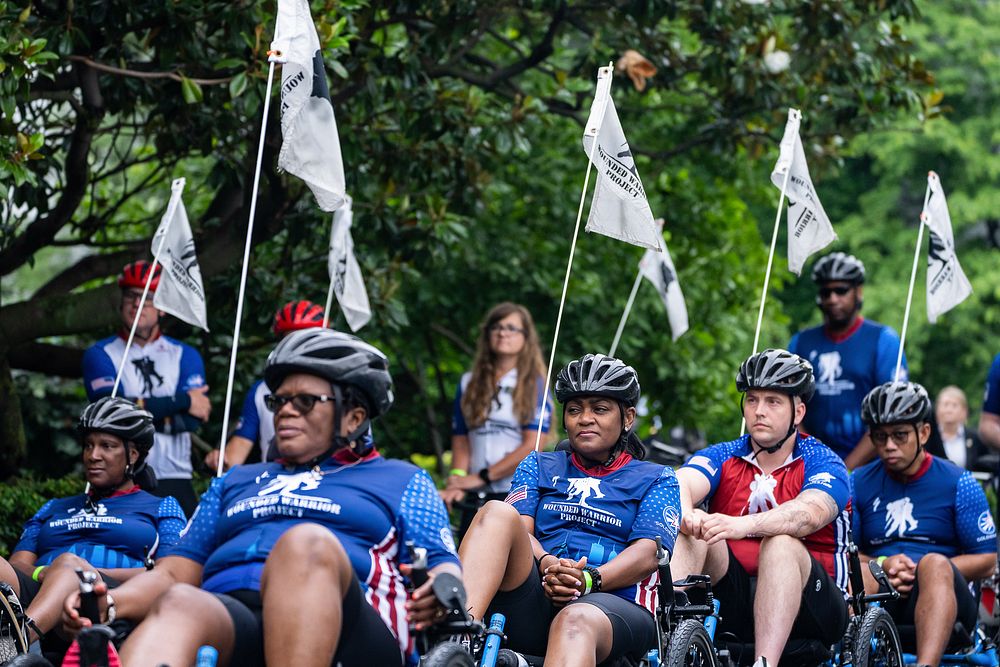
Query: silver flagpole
[[628, 309], [913, 278], [273, 57]]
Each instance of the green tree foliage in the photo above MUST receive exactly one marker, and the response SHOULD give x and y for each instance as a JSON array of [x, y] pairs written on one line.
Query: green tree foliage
[[460, 125]]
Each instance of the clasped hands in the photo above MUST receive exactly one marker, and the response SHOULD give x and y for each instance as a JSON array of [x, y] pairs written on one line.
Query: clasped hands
[[562, 578], [716, 527]]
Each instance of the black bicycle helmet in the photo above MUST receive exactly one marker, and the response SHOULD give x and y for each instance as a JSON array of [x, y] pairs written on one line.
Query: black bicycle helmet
[[337, 357], [896, 403], [777, 370], [839, 266], [598, 375], [122, 418]]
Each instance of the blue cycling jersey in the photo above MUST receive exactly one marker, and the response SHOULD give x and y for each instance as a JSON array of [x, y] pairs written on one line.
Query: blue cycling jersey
[[598, 514], [991, 399], [118, 531], [940, 509], [846, 370], [373, 506]]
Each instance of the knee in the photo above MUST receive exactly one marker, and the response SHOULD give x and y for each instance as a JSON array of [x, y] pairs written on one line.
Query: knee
[[936, 566], [309, 547], [70, 561], [498, 511], [575, 621], [179, 599], [783, 551]]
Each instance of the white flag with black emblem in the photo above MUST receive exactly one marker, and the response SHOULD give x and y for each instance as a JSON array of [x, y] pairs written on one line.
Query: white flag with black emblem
[[345, 273], [809, 230], [947, 285], [310, 146], [180, 291], [658, 268], [619, 208]]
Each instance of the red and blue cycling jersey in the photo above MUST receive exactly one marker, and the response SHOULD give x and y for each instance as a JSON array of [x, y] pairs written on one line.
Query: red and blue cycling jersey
[[597, 514], [374, 506], [739, 486], [939, 509], [118, 531], [847, 368]]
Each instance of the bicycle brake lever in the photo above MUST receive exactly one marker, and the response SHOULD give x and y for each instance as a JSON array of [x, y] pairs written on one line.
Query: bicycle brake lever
[[884, 585]]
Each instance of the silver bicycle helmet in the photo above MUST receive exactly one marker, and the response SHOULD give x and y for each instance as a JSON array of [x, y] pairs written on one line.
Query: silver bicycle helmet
[[337, 357], [896, 403], [121, 418], [777, 370], [598, 375], [839, 266]]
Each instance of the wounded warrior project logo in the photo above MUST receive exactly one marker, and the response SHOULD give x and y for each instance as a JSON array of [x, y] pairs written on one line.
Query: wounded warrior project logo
[[279, 496], [828, 373], [580, 492], [620, 170], [86, 517]]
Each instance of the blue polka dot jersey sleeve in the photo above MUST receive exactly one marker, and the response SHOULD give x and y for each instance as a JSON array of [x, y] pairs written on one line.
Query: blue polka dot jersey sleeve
[[974, 524], [171, 522], [199, 539], [424, 520], [659, 512]]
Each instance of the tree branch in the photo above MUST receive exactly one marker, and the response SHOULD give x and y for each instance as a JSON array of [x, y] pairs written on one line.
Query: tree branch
[[148, 75]]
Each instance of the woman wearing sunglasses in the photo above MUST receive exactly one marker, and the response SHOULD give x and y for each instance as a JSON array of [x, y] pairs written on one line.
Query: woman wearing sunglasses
[[497, 408], [300, 561], [570, 558], [116, 527]]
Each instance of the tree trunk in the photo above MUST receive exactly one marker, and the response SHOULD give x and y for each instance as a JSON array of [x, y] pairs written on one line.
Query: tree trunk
[[12, 442]]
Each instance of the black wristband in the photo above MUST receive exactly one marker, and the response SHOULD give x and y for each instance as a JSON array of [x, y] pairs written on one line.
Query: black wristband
[[484, 475], [595, 576]]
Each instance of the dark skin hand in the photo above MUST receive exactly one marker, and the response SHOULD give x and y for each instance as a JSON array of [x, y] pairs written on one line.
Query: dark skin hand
[[423, 609], [562, 579]]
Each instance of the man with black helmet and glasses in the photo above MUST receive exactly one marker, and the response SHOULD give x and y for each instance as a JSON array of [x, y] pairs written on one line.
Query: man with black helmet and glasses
[[774, 538], [850, 355], [924, 519]]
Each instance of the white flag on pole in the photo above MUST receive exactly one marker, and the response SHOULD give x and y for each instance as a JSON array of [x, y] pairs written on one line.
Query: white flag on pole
[[947, 285], [180, 292], [345, 274], [310, 146], [619, 208], [809, 230], [658, 268]]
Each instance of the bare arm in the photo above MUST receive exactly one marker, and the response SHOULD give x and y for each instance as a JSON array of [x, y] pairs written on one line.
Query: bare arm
[[862, 453], [237, 450], [693, 488], [23, 561], [632, 565], [508, 464], [804, 515], [975, 566], [460, 452], [989, 429]]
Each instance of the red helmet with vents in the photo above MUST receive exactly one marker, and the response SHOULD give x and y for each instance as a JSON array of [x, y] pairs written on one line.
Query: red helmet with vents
[[297, 315]]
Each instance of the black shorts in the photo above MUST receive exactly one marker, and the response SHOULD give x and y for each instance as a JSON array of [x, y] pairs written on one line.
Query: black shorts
[[822, 613], [903, 609], [29, 587], [364, 639], [529, 614]]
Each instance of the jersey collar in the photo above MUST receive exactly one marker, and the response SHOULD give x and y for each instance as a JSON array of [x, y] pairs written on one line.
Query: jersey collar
[[134, 489], [602, 470], [921, 471], [752, 460], [341, 457], [841, 337]]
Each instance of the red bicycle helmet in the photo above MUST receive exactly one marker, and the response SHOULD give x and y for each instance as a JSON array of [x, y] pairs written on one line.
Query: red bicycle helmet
[[136, 273], [296, 315]]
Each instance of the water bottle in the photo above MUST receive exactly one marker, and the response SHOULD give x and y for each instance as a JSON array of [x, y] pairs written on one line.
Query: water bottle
[[207, 656], [493, 638], [653, 658]]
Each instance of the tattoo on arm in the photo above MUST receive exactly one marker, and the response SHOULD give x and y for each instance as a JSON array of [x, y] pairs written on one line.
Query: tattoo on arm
[[799, 517]]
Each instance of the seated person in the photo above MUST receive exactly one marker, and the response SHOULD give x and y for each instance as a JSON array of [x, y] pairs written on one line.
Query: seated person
[[925, 520], [298, 561], [570, 557], [774, 538], [114, 528]]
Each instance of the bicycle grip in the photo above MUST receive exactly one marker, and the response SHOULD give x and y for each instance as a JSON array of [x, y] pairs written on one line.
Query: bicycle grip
[[89, 608]]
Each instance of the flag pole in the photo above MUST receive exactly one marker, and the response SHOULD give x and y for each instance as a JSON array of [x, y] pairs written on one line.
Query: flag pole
[[628, 309], [329, 303], [913, 279], [767, 274], [565, 287], [171, 209], [272, 58]]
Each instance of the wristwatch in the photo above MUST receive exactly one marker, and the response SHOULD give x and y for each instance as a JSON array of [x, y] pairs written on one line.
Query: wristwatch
[[484, 475]]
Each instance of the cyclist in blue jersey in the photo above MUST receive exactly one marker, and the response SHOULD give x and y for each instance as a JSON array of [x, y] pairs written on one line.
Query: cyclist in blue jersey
[[162, 375], [114, 528], [256, 423], [300, 561], [989, 419], [851, 355], [570, 557], [923, 518]]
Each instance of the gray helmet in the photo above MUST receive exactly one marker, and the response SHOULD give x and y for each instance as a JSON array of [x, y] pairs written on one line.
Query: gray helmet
[[896, 403], [839, 266], [777, 370], [121, 418], [598, 375], [338, 357]]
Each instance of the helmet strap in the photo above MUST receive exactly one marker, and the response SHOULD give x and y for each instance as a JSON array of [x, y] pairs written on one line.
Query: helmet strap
[[352, 441], [757, 447], [916, 454]]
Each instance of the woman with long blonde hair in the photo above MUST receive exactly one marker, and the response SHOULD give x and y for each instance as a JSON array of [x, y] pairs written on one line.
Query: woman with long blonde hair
[[497, 407]]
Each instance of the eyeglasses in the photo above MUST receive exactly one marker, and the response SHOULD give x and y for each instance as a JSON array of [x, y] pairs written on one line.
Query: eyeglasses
[[134, 296], [825, 292], [303, 403], [900, 437], [506, 328]]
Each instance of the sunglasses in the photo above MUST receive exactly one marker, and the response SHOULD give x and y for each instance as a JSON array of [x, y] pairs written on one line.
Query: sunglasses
[[900, 437], [825, 292], [506, 328], [303, 403]]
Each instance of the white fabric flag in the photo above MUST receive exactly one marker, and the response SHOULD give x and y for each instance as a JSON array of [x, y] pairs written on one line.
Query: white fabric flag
[[619, 208], [345, 274], [310, 147], [658, 268], [180, 291], [809, 229], [947, 285]]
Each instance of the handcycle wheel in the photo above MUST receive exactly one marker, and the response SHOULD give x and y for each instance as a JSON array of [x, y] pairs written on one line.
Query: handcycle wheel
[[449, 654], [690, 646], [11, 634], [877, 642]]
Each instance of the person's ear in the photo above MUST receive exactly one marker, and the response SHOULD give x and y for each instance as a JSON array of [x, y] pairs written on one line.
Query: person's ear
[[924, 433], [133, 454], [629, 418], [352, 419], [800, 410]]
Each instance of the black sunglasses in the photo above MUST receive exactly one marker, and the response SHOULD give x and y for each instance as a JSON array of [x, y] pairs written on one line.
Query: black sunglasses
[[302, 403], [825, 292]]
